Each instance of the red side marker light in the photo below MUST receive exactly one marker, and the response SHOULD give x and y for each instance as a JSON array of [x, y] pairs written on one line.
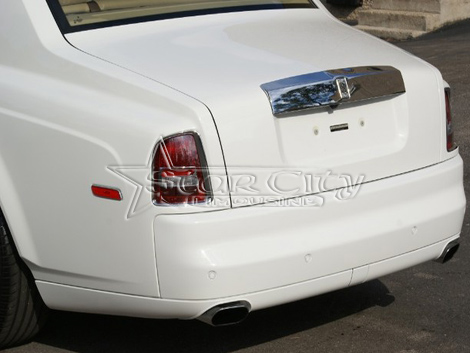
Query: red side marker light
[[106, 193]]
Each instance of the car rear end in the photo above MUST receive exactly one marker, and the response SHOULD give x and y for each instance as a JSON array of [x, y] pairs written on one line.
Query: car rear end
[[304, 201]]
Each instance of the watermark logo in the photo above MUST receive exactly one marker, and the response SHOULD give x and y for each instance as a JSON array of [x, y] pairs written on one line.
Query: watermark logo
[[244, 186]]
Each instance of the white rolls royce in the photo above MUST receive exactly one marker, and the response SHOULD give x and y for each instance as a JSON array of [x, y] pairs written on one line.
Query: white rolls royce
[[206, 158]]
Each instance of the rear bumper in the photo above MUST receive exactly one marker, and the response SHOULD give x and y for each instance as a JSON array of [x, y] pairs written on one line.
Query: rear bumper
[[269, 256], [391, 224], [62, 297]]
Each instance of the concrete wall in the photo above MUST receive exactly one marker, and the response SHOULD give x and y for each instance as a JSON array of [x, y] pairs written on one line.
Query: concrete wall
[[346, 13], [454, 10], [402, 19]]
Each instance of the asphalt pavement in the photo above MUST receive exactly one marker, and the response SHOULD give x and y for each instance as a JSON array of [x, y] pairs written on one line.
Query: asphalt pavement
[[424, 309]]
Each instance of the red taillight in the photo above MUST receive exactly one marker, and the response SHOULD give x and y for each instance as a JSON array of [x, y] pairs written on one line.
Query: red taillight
[[449, 127], [179, 171]]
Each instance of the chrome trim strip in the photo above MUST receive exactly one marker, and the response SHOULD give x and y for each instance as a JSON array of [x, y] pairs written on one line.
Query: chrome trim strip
[[333, 87], [339, 127]]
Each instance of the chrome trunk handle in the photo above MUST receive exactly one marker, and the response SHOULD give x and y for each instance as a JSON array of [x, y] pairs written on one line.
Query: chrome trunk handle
[[333, 87]]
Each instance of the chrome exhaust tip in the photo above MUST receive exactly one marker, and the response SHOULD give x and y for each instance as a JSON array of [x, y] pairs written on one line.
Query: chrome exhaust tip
[[226, 314], [448, 252]]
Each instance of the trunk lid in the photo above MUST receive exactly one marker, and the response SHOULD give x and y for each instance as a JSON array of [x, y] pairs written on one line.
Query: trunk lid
[[223, 60]]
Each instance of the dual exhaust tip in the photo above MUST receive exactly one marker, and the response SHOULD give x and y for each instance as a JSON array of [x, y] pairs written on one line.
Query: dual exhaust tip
[[226, 314], [448, 252]]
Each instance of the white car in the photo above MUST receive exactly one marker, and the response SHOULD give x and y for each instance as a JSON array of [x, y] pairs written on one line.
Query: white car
[[205, 158]]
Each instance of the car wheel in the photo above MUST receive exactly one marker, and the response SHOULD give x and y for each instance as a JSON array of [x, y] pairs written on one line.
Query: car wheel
[[22, 311]]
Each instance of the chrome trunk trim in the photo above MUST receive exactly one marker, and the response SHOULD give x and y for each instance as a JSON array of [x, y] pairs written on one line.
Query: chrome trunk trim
[[333, 87]]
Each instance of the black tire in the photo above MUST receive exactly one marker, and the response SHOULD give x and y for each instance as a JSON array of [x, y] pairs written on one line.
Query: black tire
[[22, 311]]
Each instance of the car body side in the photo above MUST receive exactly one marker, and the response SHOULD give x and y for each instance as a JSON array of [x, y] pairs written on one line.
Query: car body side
[[50, 142]]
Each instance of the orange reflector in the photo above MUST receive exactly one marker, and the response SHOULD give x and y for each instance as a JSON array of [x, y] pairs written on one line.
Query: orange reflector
[[106, 193]]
